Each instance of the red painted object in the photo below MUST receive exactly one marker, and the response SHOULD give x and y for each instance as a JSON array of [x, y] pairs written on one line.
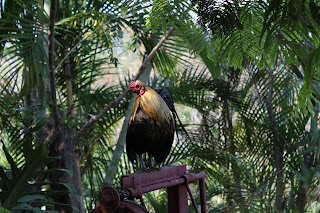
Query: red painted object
[[134, 185]]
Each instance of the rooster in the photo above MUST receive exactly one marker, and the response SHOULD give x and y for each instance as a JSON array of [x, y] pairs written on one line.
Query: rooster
[[151, 126]]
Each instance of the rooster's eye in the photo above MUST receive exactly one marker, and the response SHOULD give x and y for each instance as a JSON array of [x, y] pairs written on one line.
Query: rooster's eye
[[137, 86]]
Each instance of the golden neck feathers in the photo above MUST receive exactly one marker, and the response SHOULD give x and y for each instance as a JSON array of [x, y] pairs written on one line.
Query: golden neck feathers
[[153, 104]]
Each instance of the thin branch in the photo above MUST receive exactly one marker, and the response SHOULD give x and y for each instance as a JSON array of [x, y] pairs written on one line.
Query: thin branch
[[53, 10], [113, 103]]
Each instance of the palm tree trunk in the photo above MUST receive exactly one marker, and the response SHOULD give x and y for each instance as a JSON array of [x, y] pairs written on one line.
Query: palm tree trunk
[[55, 112], [61, 143], [232, 151], [41, 103], [302, 197], [113, 166], [276, 146], [308, 160]]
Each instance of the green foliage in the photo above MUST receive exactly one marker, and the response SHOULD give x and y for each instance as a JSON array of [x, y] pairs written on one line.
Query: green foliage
[[219, 67], [3, 210], [24, 37], [166, 14], [258, 32], [17, 181]]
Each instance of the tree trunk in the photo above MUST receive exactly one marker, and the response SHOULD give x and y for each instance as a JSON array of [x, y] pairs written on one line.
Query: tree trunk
[[61, 145], [232, 151], [276, 146], [302, 197], [41, 109], [308, 161], [53, 87]]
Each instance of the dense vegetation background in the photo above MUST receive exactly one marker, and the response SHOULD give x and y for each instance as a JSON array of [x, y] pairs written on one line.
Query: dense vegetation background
[[244, 73]]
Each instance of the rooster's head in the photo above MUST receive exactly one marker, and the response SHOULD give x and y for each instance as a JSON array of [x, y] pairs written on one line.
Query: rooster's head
[[137, 87]]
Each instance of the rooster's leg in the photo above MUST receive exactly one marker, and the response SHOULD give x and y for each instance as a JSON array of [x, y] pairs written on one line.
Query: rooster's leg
[[143, 165], [150, 164]]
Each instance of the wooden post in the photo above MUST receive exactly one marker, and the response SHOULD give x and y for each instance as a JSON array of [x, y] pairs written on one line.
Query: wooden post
[[177, 199]]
